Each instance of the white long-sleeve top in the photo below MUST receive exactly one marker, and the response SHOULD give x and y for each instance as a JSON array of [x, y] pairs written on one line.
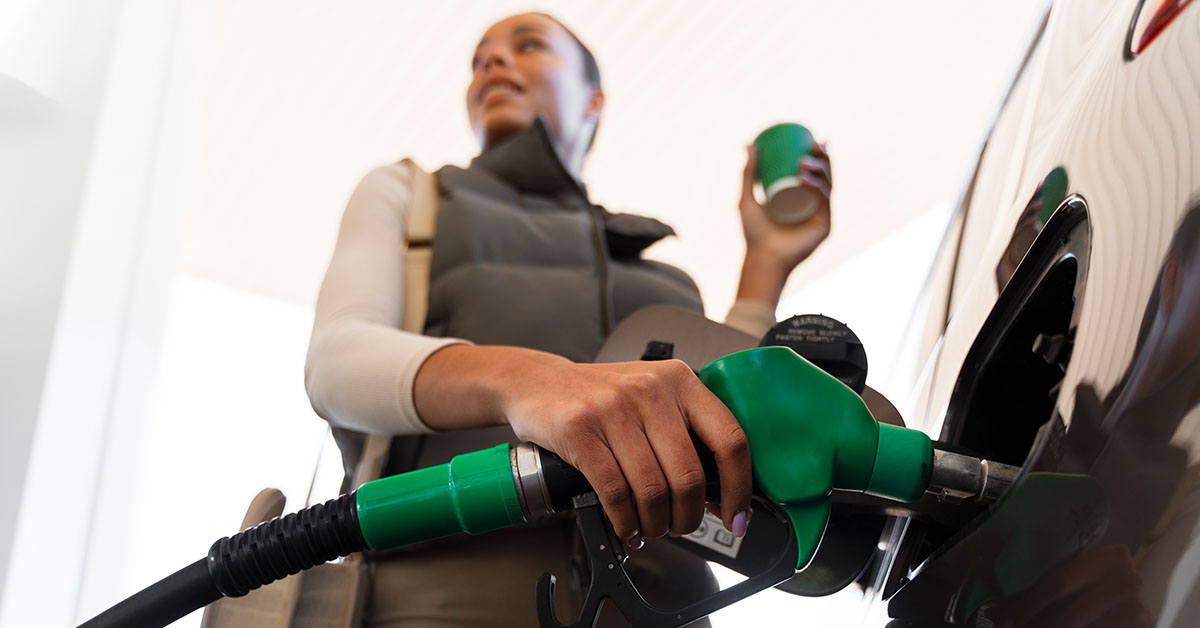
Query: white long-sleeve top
[[361, 365]]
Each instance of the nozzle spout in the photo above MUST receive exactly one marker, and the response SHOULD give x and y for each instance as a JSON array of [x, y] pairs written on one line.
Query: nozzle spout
[[959, 478]]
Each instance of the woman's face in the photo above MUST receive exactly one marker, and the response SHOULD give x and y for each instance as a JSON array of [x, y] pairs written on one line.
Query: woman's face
[[525, 66]]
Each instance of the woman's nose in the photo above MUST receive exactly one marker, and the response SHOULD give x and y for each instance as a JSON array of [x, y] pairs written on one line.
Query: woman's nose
[[493, 57]]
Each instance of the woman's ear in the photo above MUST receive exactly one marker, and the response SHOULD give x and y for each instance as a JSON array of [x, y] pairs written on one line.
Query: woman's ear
[[595, 105]]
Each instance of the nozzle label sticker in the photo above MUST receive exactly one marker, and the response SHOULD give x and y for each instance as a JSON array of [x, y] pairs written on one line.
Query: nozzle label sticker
[[713, 535]]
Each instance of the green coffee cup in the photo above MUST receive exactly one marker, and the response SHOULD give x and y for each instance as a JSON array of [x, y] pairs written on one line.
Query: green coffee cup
[[780, 149]]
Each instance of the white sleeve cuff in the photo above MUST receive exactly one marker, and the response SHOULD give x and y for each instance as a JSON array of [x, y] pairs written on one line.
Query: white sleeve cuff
[[751, 317]]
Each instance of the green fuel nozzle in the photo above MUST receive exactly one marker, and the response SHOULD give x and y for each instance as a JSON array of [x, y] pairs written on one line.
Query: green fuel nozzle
[[809, 434]]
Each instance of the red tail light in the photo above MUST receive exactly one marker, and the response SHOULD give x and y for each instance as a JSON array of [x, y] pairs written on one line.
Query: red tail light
[[1153, 17]]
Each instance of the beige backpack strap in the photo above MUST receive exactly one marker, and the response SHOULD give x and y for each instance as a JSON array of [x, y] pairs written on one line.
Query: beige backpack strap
[[422, 223]]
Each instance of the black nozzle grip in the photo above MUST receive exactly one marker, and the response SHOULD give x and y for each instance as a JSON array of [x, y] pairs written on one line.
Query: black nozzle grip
[[563, 482]]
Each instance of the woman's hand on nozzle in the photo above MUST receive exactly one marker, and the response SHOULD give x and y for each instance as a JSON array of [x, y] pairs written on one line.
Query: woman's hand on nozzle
[[625, 427]]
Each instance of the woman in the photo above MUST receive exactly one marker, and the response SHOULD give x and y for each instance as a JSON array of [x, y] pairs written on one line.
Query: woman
[[527, 279]]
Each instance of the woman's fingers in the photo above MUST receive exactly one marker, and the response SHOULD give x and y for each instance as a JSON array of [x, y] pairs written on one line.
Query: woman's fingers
[[597, 463], [820, 150], [818, 168], [819, 153], [660, 462], [815, 181], [720, 431], [681, 466], [651, 493]]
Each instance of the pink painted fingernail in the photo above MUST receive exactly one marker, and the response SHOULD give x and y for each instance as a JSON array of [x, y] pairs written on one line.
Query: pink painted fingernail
[[636, 541], [739, 524]]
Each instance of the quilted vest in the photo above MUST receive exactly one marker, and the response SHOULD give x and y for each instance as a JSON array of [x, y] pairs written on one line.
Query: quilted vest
[[522, 258]]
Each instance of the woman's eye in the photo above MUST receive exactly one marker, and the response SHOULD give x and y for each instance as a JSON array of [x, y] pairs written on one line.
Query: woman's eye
[[530, 44]]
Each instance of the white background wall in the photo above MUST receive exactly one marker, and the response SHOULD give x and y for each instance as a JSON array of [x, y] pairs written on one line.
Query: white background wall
[[53, 69], [172, 174]]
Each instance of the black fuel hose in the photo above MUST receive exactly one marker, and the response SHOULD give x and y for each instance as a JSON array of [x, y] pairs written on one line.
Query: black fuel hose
[[164, 601], [241, 563]]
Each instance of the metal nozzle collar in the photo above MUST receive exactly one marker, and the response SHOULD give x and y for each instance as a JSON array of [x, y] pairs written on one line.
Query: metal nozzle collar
[[530, 481]]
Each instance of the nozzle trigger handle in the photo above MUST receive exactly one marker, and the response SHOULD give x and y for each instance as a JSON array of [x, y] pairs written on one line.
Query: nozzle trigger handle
[[606, 560]]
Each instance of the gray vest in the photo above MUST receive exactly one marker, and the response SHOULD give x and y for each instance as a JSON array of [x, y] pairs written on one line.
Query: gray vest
[[521, 258]]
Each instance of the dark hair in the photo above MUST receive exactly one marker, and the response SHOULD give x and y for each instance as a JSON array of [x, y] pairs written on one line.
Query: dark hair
[[591, 70]]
